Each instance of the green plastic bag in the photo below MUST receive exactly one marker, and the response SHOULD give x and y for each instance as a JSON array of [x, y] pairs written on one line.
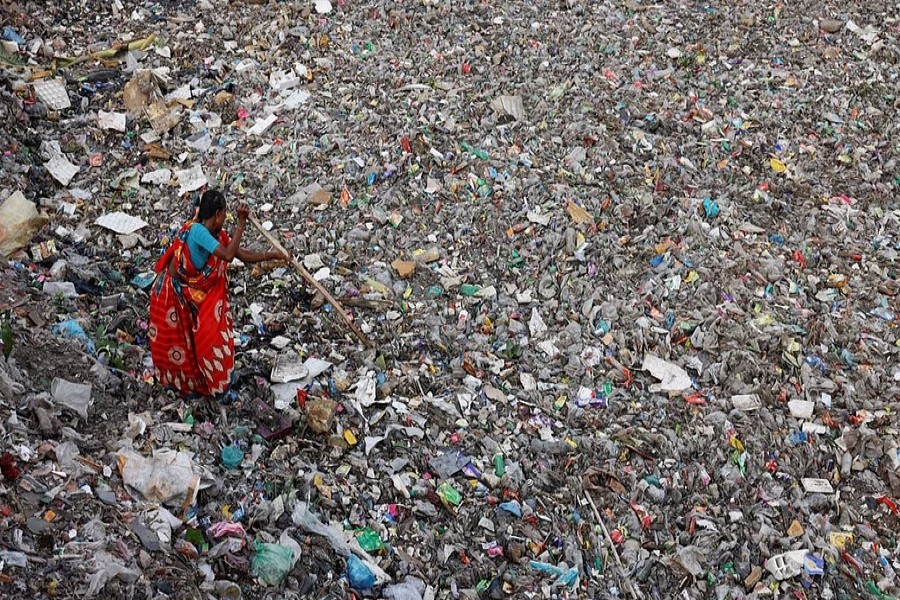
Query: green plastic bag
[[271, 562]]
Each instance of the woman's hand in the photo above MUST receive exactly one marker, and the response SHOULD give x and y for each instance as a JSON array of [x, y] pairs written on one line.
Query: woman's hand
[[243, 212], [278, 255]]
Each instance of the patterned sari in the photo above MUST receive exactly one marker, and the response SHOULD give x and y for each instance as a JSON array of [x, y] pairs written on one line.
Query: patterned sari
[[191, 328]]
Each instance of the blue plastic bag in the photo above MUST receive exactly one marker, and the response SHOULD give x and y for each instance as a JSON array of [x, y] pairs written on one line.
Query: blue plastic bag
[[10, 34], [71, 329], [359, 575], [710, 208]]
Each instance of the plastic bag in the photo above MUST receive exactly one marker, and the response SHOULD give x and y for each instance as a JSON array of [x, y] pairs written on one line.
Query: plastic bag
[[108, 568], [74, 396], [19, 219], [271, 562], [232, 457], [167, 477], [564, 577], [71, 329], [359, 574], [411, 589], [303, 518]]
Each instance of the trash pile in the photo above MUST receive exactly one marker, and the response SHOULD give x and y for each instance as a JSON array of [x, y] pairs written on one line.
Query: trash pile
[[629, 270]]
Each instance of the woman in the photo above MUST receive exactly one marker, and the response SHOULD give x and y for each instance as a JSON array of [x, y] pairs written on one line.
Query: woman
[[191, 329]]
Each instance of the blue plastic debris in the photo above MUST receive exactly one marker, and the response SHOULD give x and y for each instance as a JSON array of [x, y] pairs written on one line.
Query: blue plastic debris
[[813, 565], [71, 329], [359, 574], [10, 34], [512, 507], [710, 208], [564, 577], [144, 280]]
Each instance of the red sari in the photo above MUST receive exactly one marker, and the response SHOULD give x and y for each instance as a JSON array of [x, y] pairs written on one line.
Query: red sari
[[191, 328]]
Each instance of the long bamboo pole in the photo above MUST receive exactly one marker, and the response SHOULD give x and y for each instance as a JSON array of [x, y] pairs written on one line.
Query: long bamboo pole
[[315, 284]]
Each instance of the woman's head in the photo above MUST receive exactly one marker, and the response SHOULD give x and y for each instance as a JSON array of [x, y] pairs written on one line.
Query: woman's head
[[212, 209]]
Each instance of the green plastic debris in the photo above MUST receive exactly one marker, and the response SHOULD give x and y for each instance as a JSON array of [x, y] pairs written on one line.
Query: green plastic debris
[[448, 494], [515, 260], [873, 589], [195, 536], [369, 540], [476, 151], [232, 457], [499, 465], [271, 562], [468, 290], [6, 335]]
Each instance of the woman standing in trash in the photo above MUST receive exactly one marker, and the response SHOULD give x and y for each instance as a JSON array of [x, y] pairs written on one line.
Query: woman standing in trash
[[191, 328]]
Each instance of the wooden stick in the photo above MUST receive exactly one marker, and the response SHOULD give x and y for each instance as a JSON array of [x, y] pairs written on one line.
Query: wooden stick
[[629, 588], [318, 286]]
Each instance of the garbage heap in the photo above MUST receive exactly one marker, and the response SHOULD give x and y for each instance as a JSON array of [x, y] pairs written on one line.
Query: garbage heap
[[629, 270]]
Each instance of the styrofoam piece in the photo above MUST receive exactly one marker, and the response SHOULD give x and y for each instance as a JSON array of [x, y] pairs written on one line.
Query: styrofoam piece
[[52, 92], [786, 565]]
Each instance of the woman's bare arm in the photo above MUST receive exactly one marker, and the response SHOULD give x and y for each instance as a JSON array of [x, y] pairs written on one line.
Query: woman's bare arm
[[249, 256], [230, 251]]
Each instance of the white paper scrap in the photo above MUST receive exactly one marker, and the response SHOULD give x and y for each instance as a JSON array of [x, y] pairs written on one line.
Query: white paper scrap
[[536, 325], [672, 377], [61, 169], [801, 409], [814, 485], [262, 125], [288, 368], [190, 180], [746, 402], [365, 390], [182, 93], [121, 223], [157, 177], [112, 120], [295, 100]]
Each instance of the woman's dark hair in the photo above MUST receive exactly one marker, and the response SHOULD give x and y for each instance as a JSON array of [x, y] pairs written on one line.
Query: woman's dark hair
[[211, 202]]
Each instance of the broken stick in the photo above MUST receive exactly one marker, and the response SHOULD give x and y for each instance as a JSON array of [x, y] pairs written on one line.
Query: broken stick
[[315, 284], [629, 588]]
